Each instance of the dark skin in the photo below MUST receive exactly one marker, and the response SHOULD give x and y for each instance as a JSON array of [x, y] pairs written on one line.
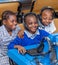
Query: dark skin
[[10, 23], [47, 17], [21, 34], [32, 24]]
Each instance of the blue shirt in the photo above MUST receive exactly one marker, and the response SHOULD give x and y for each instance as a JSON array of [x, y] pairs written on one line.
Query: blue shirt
[[28, 40]]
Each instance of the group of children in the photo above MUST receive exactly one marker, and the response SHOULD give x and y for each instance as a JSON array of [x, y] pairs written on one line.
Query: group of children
[[11, 35]]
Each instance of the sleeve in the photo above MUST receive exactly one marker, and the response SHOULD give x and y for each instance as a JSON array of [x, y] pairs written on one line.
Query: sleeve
[[45, 33], [18, 28], [16, 41], [52, 27], [49, 35]]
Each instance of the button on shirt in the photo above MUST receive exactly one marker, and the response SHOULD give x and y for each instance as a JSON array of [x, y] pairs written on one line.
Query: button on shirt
[[50, 28]]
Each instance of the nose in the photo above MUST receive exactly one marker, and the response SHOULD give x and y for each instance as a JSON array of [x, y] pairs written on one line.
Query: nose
[[47, 20], [33, 25]]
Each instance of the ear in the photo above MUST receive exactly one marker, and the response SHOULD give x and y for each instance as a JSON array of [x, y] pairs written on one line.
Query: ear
[[4, 22], [40, 17]]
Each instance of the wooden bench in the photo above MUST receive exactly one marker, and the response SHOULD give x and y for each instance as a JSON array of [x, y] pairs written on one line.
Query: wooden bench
[[41, 3], [56, 24], [13, 6]]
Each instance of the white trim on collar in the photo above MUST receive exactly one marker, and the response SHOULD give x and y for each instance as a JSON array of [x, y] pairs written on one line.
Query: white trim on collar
[[30, 35]]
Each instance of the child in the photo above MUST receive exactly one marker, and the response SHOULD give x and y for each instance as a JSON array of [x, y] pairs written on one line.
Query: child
[[8, 31], [32, 35], [46, 21]]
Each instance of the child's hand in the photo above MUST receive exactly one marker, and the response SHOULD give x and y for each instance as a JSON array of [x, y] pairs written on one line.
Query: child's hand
[[21, 49], [21, 34]]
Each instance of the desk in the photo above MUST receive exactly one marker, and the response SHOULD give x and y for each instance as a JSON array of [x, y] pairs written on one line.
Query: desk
[[29, 60]]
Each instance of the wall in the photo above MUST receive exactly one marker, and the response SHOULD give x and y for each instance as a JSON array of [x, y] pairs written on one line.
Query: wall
[[8, 6]]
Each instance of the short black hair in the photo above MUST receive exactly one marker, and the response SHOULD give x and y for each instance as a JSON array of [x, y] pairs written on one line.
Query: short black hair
[[30, 14], [26, 15], [48, 8], [6, 14]]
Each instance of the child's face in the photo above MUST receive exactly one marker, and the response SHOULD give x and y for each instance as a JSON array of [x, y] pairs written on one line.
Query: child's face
[[11, 22], [32, 24], [46, 17]]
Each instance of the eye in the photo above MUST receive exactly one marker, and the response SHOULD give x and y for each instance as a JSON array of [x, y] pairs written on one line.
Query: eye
[[29, 22], [44, 18], [50, 18], [36, 22], [13, 21]]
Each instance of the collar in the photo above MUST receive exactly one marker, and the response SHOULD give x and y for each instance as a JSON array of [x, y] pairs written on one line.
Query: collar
[[41, 25], [30, 35]]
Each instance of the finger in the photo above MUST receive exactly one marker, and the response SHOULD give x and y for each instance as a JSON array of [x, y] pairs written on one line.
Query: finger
[[24, 51], [21, 51]]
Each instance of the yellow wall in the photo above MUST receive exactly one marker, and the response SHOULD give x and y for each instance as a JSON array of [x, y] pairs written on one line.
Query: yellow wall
[[41, 3], [37, 6], [56, 24], [8, 6]]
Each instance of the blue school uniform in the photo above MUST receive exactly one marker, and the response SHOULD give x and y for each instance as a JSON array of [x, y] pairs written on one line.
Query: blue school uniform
[[29, 39], [5, 38]]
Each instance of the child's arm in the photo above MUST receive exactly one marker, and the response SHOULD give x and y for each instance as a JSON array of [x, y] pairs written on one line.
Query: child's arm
[[16, 41], [21, 49], [21, 34]]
